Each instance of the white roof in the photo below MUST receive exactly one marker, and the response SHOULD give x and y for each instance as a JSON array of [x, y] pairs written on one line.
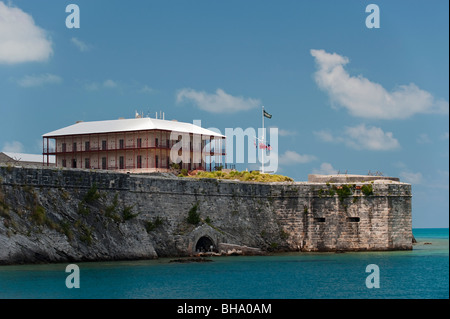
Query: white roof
[[126, 125], [35, 158]]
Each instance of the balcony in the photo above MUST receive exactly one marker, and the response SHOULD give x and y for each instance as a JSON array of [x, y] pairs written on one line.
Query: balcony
[[162, 146]]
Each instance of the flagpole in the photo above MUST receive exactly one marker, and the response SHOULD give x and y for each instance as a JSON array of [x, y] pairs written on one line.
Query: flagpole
[[262, 150]]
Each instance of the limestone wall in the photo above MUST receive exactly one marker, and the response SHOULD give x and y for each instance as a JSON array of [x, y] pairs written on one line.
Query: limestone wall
[[58, 215]]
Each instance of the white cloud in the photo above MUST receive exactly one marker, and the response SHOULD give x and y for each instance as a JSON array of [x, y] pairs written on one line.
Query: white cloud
[[362, 138], [107, 84], [14, 147], [147, 89], [83, 47], [39, 80], [328, 137], [325, 169], [291, 157], [363, 98], [283, 132], [219, 102], [424, 139], [410, 177], [94, 86], [21, 39], [110, 84]]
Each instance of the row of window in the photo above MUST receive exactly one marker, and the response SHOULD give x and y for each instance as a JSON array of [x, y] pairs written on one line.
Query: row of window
[[87, 163], [104, 147], [87, 145]]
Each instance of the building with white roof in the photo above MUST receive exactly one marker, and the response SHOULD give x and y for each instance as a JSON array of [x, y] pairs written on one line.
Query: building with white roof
[[24, 159], [134, 145]]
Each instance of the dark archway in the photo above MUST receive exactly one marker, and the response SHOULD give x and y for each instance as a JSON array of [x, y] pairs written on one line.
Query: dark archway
[[205, 244]]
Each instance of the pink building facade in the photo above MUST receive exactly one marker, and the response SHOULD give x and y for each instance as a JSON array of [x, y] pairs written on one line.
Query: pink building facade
[[135, 145]]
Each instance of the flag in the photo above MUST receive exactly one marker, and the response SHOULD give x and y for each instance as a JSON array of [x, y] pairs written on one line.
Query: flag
[[269, 116], [265, 147]]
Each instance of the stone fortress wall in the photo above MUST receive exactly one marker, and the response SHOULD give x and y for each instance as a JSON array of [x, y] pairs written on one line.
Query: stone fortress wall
[[58, 215]]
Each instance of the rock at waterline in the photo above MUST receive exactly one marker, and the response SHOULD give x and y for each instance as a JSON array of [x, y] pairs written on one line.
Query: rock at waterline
[[190, 260]]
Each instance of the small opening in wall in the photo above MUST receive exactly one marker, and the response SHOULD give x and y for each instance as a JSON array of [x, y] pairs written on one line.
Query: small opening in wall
[[353, 219], [319, 219]]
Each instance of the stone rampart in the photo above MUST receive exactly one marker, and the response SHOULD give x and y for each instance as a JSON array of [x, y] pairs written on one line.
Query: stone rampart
[[49, 215]]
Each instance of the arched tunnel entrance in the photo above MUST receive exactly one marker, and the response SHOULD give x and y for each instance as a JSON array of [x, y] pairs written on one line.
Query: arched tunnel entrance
[[205, 244]]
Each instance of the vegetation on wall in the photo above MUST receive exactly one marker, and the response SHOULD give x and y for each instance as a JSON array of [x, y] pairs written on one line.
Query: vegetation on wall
[[92, 194], [194, 216], [153, 224], [343, 192], [244, 176], [367, 189], [127, 213]]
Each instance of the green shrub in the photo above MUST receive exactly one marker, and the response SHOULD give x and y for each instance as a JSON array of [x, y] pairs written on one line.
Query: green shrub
[[343, 192], [86, 235], [152, 225], [245, 176], [65, 227], [127, 214], [184, 172], [92, 194], [367, 189], [193, 216], [83, 209], [38, 215]]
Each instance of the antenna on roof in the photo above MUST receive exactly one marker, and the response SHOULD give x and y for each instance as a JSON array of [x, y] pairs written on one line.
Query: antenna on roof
[[138, 116]]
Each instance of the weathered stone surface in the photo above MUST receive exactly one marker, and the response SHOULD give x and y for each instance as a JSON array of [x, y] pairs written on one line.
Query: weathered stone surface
[[47, 215]]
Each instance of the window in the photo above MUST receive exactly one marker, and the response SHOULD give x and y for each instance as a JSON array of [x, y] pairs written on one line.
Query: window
[[104, 163], [353, 219], [104, 145], [156, 142], [156, 161], [87, 146], [87, 163], [64, 148], [74, 147], [74, 163], [139, 143], [319, 219], [121, 144], [64, 164], [121, 162], [139, 161]]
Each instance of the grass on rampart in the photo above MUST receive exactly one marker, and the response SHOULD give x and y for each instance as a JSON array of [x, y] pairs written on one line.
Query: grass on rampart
[[244, 176]]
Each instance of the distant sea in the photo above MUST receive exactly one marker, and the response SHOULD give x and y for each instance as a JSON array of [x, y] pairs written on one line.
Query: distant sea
[[422, 273]]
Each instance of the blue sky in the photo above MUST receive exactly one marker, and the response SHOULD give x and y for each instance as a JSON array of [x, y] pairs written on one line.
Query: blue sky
[[344, 97]]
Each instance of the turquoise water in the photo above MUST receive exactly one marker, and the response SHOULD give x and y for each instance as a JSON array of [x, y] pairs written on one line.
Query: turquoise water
[[421, 273]]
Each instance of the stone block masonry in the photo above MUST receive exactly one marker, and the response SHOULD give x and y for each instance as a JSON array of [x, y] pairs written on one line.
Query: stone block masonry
[[59, 215]]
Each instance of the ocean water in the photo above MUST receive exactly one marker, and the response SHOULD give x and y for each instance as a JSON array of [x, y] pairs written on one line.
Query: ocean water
[[422, 273]]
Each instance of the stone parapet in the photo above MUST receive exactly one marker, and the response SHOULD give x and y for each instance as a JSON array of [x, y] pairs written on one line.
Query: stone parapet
[[65, 214]]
